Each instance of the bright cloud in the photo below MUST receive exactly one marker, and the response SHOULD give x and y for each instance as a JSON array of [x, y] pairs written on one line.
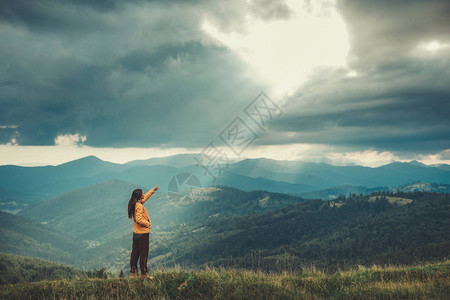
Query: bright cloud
[[368, 158], [13, 142], [433, 46], [442, 157], [283, 52], [55, 155], [69, 139]]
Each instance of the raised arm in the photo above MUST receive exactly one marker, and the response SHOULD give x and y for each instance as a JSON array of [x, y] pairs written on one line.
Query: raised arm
[[149, 193]]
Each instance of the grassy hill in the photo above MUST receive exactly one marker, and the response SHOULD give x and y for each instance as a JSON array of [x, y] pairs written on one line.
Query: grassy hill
[[426, 281], [15, 269], [334, 192], [424, 187]]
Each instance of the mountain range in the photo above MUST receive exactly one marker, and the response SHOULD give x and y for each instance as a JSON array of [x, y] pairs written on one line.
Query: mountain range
[[292, 177], [75, 213]]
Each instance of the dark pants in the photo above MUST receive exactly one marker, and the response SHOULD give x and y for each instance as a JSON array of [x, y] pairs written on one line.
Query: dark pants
[[139, 251]]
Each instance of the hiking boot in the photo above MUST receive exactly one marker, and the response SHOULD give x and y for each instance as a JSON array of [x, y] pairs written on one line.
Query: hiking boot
[[145, 276], [133, 275]]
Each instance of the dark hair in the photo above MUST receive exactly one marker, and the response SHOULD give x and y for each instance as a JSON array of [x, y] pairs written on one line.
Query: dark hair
[[135, 197]]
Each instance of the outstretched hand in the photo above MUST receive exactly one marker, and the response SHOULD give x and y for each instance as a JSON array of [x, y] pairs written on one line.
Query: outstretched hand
[[156, 188]]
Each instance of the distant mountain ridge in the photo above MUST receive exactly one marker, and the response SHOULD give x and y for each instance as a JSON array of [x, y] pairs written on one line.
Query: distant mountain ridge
[[177, 161], [322, 175], [248, 174]]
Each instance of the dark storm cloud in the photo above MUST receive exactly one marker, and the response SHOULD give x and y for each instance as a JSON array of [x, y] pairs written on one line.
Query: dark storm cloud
[[135, 74], [230, 16], [386, 30], [143, 73], [62, 16], [270, 9]]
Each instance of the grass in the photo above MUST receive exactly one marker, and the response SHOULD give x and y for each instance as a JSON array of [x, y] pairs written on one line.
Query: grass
[[415, 282], [393, 200]]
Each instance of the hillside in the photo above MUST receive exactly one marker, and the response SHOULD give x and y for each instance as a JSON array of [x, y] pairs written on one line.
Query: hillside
[[415, 282], [330, 234], [15, 201], [97, 212], [424, 187], [346, 232], [247, 183], [15, 269], [230, 227], [103, 226], [334, 192], [20, 236], [80, 211]]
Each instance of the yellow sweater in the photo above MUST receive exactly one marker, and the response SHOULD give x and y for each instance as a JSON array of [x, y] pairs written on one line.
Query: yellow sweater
[[141, 219]]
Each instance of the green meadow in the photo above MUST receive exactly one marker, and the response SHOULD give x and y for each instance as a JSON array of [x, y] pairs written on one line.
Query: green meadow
[[431, 281]]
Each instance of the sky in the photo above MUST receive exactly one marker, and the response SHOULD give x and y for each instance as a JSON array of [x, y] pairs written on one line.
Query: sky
[[342, 82]]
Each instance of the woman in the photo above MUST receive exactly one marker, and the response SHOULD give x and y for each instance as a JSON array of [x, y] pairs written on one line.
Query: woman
[[141, 230]]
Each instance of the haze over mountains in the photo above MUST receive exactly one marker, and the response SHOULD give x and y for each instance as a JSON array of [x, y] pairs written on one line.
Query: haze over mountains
[[249, 174]]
